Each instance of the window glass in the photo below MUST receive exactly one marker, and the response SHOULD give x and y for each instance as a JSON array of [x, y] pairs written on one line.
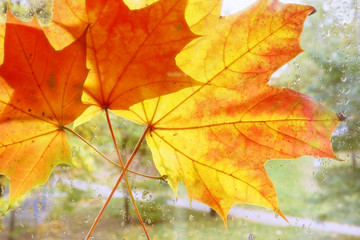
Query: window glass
[[320, 197]]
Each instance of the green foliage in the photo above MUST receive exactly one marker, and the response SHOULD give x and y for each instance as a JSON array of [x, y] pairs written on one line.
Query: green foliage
[[25, 10], [181, 224], [329, 68], [288, 175], [340, 189], [154, 210], [69, 203]]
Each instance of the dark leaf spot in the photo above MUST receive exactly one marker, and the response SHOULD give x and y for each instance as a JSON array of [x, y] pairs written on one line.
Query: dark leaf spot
[[52, 80]]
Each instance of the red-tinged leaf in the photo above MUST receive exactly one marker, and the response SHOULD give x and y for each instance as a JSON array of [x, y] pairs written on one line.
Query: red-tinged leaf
[[216, 138], [40, 92], [130, 52]]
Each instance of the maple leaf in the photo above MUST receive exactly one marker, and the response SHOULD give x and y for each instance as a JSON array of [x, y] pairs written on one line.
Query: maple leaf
[[216, 138], [40, 92], [131, 53]]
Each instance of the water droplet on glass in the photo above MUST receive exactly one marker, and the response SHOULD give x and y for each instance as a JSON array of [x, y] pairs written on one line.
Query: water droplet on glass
[[87, 219], [39, 205], [172, 220], [144, 194], [251, 237], [191, 218]]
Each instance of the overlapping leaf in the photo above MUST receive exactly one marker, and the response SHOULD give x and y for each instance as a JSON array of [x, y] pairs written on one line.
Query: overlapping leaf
[[216, 138], [131, 53], [40, 92]]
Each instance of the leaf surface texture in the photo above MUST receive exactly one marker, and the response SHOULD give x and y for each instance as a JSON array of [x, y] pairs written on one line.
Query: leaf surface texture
[[131, 53], [215, 138], [40, 92]]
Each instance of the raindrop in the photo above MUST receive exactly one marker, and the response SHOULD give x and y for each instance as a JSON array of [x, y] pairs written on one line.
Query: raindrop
[[172, 220], [87, 219], [191, 218], [39, 205], [251, 237], [145, 194], [343, 79]]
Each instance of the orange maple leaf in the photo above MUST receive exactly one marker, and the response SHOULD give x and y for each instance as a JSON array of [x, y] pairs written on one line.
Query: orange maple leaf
[[131, 53], [216, 138], [40, 92]]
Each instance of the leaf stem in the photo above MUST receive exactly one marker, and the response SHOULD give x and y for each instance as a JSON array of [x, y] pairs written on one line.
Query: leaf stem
[[106, 158], [123, 174]]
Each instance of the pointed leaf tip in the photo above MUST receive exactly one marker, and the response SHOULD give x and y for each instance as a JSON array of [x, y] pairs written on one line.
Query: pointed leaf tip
[[32, 142], [216, 138], [313, 12], [143, 43]]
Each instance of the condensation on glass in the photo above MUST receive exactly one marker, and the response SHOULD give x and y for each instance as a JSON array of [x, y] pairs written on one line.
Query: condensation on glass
[[314, 193]]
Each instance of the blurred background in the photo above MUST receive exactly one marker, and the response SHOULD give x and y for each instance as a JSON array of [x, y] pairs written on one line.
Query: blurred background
[[320, 197]]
